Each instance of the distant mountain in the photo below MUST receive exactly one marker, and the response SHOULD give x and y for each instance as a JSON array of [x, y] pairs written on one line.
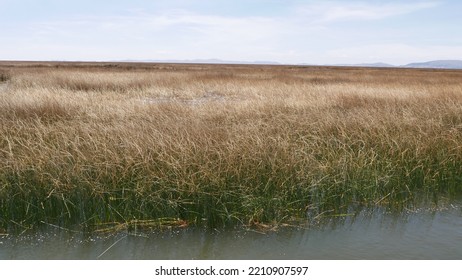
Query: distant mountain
[[438, 64], [442, 64], [219, 61], [377, 64], [204, 61]]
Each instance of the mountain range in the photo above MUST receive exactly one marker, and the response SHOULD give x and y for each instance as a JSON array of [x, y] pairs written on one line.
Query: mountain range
[[443, 64], [204, 61], [436, 64]]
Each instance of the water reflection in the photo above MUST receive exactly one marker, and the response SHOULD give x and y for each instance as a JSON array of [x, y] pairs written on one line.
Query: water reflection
[[371, 234]]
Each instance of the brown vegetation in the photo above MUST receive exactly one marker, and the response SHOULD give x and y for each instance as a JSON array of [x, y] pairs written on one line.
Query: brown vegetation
[[88, 143]]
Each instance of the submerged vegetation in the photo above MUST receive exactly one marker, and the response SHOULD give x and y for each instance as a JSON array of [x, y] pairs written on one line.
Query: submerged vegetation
[[95, 144]]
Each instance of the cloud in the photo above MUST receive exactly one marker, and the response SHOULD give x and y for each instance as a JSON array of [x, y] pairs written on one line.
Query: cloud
[[333, 11], [183, 34], [173, 26], [303, 33]]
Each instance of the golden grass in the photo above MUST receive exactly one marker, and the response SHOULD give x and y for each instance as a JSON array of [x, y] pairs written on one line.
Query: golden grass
[[221, 144]]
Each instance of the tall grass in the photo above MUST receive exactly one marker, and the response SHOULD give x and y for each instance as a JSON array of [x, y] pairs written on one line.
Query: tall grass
[[223, 145]]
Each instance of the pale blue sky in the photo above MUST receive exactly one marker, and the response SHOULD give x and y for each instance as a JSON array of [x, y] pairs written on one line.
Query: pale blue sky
[[290, 31]]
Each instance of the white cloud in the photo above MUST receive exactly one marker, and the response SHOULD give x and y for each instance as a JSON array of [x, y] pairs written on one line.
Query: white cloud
[[172, 30], [304, 34], [171, 34], [332, 11]]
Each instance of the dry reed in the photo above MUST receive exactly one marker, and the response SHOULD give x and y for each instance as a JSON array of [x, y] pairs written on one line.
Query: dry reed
[[88, 144]]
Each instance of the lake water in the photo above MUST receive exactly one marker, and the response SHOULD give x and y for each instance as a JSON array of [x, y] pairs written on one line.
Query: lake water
[[371, 234]]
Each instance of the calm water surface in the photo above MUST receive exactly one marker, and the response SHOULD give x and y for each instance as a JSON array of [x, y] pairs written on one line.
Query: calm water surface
[[372, 234]]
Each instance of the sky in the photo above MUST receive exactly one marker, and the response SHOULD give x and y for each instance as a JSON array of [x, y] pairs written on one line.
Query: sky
[[284, 31]]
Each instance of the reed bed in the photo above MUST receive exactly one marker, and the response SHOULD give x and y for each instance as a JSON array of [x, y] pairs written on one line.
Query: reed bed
[[90, 145]]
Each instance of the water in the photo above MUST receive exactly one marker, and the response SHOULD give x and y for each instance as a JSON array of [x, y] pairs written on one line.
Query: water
[[3, 86], [372, 234]]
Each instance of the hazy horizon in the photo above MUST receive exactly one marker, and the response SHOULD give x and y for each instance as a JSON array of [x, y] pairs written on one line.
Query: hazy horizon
[[287, 32]]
